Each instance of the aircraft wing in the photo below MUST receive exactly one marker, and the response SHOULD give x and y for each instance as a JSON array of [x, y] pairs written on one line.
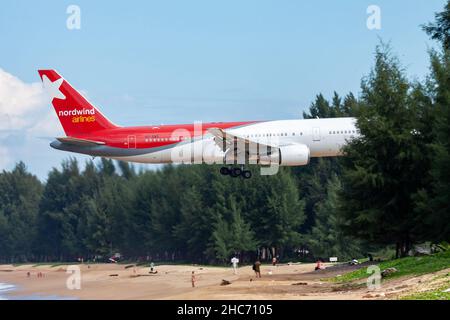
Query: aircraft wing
[[226, 140], [80, 142]]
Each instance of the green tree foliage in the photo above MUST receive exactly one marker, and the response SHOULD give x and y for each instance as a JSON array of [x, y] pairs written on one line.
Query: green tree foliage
[[322, 108], [440, 29], [20, 194], [383, 168], [222, 240], [433, 200], [440, 170], [234, 237], [326, 238]]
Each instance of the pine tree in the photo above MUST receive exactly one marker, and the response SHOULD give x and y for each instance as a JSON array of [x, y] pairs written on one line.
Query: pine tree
[[440, 29], [60, 213], [279, 220], [243, 238], [381, 171], [20, 194], [439, 219], [194, 228], [222, 239], [433, 200], [327, 239]]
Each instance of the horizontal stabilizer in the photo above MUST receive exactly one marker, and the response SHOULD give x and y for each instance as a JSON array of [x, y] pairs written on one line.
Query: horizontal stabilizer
[[80, 142]]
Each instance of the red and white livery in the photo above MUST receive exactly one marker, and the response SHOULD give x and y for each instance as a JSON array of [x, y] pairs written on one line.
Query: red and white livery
[[235, 144]]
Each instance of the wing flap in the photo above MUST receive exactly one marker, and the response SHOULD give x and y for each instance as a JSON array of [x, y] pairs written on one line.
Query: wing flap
[[226, 140]]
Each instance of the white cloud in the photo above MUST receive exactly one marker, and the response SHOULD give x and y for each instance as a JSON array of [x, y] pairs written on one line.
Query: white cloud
[[47, 126], [26, 115], [18, 100]]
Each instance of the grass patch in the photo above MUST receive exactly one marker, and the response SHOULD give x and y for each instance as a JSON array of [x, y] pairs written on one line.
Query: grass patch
[[405, 266], [436, 294]]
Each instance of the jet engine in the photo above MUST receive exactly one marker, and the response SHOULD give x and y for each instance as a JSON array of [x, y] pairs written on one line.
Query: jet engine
[[291, 155]]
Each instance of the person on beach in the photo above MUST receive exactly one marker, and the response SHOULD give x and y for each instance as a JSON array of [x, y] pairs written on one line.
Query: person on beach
[[234, 262], [257, 268], [319, 265], [193, 279]]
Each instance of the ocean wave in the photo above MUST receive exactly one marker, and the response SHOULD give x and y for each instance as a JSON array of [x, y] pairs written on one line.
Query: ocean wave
[[6, 287]]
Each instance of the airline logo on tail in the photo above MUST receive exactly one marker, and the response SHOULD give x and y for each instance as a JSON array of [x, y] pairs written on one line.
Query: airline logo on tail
[[53, 87], [76, 114]]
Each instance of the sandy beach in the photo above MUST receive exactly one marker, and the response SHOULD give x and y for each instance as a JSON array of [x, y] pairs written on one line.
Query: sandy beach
[[114, 281]]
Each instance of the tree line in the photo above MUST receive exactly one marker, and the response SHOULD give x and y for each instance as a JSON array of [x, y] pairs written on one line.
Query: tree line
[[391, 189]]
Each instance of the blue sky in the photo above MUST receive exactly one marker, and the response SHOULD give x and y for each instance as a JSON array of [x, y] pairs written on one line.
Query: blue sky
[[148, 62]]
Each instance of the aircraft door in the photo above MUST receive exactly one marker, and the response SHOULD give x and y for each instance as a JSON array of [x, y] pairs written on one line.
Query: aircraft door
[[131, 142], [316, 134]]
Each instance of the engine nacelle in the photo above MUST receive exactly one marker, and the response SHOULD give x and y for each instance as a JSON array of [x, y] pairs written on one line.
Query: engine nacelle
[[294, 155]]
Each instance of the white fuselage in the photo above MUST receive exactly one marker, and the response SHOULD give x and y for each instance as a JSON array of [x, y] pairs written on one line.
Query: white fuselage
[[323, 137]]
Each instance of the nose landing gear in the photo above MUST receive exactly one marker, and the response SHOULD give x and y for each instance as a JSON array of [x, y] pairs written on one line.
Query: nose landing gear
[[236, 172]]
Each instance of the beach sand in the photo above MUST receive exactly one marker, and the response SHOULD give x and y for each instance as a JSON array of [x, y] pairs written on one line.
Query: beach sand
[[293, 281]]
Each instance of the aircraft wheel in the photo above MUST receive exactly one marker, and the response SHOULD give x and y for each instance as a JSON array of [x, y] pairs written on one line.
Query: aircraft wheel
[[236, 172], [247, 174], [224, 171]]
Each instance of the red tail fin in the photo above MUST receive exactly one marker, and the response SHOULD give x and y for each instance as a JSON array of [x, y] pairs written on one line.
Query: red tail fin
[[75, 113]]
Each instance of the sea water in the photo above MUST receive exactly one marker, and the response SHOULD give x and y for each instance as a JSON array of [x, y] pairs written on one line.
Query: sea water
[[6, 288]]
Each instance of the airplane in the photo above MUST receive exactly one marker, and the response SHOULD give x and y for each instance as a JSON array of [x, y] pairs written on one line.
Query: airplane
[[234, 144]]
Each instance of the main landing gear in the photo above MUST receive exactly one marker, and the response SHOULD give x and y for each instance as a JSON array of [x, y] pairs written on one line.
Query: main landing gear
[[236, 172]]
